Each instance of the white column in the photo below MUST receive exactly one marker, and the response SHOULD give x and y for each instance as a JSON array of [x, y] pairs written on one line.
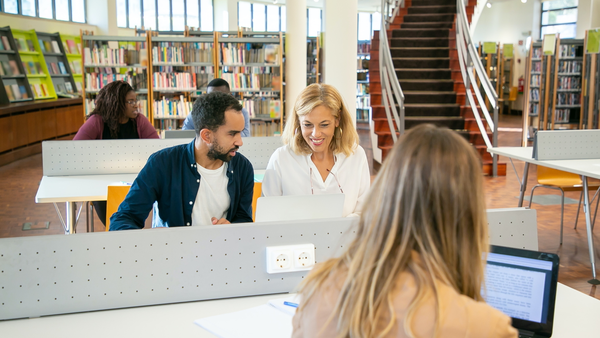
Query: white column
[[295, 54], [103, 14], [584, 17], [340, 27], [221, 15], [232, 9]]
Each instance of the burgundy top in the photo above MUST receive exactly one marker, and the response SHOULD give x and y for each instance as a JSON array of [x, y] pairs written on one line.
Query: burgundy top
[[93, 127]]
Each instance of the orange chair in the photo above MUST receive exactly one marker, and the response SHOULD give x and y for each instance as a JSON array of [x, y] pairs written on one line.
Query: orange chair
[[116, 194], [563, 181]]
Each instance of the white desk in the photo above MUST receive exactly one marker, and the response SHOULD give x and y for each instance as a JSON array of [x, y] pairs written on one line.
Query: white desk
[[575, 316], [585, 168]]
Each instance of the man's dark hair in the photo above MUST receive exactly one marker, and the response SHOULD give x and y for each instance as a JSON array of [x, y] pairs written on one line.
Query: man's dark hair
[[218, 83], [209, 110]]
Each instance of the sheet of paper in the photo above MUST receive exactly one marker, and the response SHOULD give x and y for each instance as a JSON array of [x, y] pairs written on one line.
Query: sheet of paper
[[548, 44], [279, 305], [263, 321]]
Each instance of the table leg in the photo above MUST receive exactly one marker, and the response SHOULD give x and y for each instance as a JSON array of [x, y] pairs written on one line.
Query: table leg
[[588, 225], [524, 184], [71, 217]]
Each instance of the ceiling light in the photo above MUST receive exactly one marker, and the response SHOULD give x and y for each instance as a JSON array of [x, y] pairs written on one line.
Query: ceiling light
[[489, 5], [524, 1]]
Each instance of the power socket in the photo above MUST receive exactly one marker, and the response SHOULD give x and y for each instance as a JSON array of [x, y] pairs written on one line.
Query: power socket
[[290, 258]]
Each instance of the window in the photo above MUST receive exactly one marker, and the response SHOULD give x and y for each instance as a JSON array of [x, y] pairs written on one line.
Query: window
[[364, 26], [314, 22], [559, 16], [261, 17], [273, 18], [165, 15], [68, 10]]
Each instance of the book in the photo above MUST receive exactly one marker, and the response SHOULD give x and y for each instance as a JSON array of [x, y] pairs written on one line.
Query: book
[[23, 92], [75, 66], [44, 89], [55, 47], [78, 85], [32, 68], [6, 68], [6, 43], [1, 46], [72, 47], [14, 68], [38, 67], [27, 71], [42, 46], [16, 92], [63, 70], [30, 45], [33, 91], [48, 46], [2, 69], [68, 87], [38, 90], [9, 92], [271, 54], [21, 45], [60, 87]]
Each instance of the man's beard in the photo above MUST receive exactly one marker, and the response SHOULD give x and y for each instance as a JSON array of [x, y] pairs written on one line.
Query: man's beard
[[216, 152]]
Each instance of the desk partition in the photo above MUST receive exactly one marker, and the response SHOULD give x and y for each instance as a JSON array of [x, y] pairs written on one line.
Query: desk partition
[[566, 145], [49, 275]]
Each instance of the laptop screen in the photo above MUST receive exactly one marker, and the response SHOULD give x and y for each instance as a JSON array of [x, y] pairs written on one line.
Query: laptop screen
[[522, 284]]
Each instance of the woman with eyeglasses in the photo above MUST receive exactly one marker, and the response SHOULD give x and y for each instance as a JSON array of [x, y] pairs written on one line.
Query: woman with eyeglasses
[[321, 154], [116, 116], [416, 265]]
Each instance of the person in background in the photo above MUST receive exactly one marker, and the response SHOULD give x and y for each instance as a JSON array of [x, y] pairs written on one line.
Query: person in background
[[205, 182], [321, 154], [116, 116], [222, 86], [416, 265]]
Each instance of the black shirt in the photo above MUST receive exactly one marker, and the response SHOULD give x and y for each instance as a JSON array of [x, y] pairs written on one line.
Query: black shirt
[[127, 130]]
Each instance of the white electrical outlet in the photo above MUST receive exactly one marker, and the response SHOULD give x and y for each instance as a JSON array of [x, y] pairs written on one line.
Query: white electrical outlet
[[290, 258]]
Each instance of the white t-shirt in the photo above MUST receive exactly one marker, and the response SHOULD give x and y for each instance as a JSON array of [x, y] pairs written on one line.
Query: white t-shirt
[[290, 174], [212, 199]]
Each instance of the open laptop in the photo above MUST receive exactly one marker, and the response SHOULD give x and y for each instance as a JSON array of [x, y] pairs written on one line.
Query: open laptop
[[522, 284], [292, 208]]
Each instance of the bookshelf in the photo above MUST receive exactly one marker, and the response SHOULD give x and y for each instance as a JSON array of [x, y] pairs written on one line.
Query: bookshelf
[[38, 77], [506, 82], [58, 66], [565, 112], [492, 64], [313, 60], [253, 68], [591, 91], [72, 47], [182, 67], [110, 58], [15, 85], [535, 82], [363, 98]]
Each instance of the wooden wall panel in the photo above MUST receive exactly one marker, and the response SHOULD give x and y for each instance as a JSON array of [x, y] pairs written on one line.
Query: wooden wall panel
[[68, 120], [34, 126], [48, 123], [20, 130], [6, 133]]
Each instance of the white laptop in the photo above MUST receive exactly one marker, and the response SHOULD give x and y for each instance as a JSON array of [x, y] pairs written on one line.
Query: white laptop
[[292, 208]]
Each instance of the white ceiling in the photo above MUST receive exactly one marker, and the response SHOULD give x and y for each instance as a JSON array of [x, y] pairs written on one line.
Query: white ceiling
[[363, 5]]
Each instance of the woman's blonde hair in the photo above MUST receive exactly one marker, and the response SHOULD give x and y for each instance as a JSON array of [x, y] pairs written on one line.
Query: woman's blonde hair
[[345, 138], [428, 202]]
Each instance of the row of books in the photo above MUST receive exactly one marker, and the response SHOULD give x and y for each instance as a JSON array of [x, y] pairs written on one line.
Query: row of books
[[5, 45], [76, 66], [16, 92], [40, 90], [265, 128], [562, 115], [535, 80], [90, 105], [172, 107], [184, 81], [362, 115], [49, 46], [263, 108], [32, 67], [363, 102], [569, 67], [569, 82], [362, 88], [96, 81], [25, 45], [9, 68], [536, 66], [534, 109], [57, 68], [166, 125], [568, 99], [362, 63], [72, 47], [364, 48], [67, 87], [243, 53], [568, 50], [251, 81], [178, 52], [104, 55], [537, 53], [535, 94]]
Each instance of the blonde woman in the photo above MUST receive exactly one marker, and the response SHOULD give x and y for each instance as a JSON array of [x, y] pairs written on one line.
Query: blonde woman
[[415, 268], [321, 154]]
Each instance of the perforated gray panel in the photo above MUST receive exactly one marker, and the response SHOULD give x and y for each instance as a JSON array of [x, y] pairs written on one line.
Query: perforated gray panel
[[259, 150], [514, 227], [568, 145], [48, 275], [100, 157]]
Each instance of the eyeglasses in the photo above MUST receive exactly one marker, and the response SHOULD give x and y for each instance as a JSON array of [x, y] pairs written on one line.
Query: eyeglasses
[[329, 171], [132, 102]]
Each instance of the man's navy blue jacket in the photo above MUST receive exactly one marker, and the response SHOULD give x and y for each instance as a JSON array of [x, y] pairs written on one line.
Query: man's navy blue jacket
[[171, 178]]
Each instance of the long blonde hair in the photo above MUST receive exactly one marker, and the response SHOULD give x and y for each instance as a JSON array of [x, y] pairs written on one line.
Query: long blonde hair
[[427, 201], [345, 138]]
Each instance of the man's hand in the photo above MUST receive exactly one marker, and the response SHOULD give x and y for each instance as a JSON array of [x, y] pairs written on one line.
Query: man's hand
[[216, 221]]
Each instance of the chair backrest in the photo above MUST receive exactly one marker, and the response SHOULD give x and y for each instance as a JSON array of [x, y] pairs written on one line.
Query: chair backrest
[[116, 194], [545, 174]]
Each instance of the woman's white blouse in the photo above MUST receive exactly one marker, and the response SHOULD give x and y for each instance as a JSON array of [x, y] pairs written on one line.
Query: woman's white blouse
[[290, 174]]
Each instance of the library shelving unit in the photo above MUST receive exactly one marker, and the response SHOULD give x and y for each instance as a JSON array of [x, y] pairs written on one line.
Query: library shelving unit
[[12, 73], [363, 98], [536, 74], [110, 58], [254, 69], [72, 47], [505, 84], [313, 60], [40, 83], [491, 63], [591, 91], [60, 71], [182, 67], [564, 110]]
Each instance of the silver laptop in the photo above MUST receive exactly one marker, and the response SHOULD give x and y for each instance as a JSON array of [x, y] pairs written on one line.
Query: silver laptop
[[291, 208], [522, 284]]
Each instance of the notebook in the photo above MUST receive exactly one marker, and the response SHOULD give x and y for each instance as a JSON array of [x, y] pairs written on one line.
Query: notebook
[[291, 208], [522, 284]]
